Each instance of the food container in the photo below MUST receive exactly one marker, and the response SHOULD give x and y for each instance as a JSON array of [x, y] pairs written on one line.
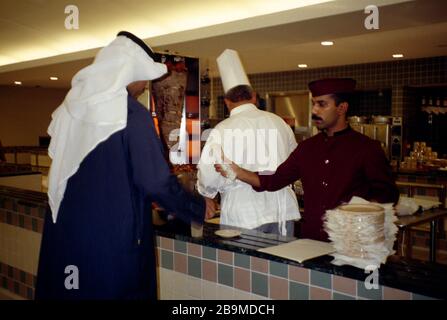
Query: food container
[[358, 119]]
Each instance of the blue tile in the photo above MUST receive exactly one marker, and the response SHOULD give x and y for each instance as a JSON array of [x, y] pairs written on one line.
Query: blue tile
[[259, 284], [195, 267], [167, 259], [209, 253], [321, 279], [298, 291], [225, 275], [242, 260], [372, 294], [279, 269], [180, 246], [339, 296]]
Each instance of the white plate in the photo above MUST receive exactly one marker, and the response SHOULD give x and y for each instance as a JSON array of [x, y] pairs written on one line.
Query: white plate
[[228, 233]]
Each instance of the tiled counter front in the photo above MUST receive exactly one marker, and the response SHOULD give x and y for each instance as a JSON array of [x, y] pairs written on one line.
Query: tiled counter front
[[21, 223], [193, 271], [213, 268]]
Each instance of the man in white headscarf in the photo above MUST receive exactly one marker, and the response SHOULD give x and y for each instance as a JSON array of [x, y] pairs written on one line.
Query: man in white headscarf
[[107, 168]]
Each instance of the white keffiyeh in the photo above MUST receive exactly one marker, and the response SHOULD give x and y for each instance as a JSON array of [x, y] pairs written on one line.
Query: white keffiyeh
[[94, 109]]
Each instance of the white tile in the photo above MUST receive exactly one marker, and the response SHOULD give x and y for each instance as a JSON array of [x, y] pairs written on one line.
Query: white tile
[[225, 292], [209, 290], [194, 287]]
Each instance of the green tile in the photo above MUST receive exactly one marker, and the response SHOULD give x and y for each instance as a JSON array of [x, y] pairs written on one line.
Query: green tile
[[279, 269], [339, 296], [225, 275], [298, 291], [321, 279], [29, 294], [372, 294], [195, 267], [34, 224], [259, 284], [16, 287], [167, 259], [421, 297], [22, 277], [209, 253], [180, 246], [21, 221], [242, 260], [10, 272], [42, 212]]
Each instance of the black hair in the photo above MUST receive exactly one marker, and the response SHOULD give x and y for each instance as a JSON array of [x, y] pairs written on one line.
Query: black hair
[[239, 93], [343, 97]]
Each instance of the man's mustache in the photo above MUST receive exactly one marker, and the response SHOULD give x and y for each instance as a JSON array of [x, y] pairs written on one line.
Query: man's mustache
[[314, 117]]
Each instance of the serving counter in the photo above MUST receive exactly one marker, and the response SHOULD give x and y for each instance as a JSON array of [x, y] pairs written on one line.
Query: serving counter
[[237, 267], [216, 268]]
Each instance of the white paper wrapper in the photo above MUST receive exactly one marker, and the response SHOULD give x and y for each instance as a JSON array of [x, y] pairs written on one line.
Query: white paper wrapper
[[229, 171], [362, 241]]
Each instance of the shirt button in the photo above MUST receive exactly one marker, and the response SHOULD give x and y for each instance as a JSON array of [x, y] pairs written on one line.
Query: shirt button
[[324, 184], [326, 161]]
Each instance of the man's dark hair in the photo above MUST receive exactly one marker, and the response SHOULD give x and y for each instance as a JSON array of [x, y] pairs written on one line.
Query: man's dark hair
[[343, 97], [239, 93]]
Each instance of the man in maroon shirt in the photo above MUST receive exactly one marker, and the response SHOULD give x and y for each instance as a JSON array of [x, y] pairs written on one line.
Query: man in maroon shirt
[[334, 165]]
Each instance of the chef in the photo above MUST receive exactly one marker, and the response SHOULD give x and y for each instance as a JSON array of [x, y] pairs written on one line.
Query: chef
[[334, 165], [107, 168], [257, 140]]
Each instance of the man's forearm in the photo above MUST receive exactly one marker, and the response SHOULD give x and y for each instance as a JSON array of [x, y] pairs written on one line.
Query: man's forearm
[[248, 177]]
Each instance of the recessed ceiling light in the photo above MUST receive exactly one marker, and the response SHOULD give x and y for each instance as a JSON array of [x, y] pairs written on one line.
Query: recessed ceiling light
[[54, 78], [19, 83], [327, 43], [302, 65], [398, 55]]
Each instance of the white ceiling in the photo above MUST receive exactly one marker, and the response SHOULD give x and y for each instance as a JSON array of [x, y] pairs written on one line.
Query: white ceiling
[[34, 44]]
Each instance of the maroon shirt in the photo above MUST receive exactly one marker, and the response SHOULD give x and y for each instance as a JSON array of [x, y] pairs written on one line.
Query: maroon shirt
[[332, 171]]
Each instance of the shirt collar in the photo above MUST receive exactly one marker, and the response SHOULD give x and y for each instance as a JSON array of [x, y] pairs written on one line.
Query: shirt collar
[[341, 132], [242, 108]]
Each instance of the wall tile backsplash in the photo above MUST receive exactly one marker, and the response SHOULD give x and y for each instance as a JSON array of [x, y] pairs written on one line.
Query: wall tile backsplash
[[394, 75]]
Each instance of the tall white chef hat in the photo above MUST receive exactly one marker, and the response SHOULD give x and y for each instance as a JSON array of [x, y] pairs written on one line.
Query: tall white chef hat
[[231, 70]]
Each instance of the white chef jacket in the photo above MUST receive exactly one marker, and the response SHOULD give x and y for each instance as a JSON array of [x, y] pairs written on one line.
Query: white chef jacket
[[257, 141]]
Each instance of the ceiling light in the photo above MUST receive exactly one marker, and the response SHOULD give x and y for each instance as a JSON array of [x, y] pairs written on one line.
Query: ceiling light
[[327, 43], [398, 55], [19, 83], [302, 65], [54, 78]]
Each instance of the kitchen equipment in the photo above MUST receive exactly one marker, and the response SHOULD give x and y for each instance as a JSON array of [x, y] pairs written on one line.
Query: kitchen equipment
[[358, 120], [386, 129], [295, 108]]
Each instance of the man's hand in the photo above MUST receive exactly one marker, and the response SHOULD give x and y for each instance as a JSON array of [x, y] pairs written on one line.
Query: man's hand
[[210, 208]]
